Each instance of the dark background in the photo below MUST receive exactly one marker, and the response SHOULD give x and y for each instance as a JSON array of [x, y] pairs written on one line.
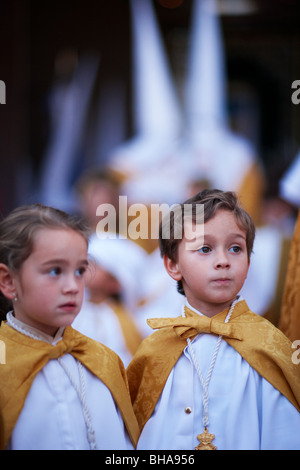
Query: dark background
[[262, 58]]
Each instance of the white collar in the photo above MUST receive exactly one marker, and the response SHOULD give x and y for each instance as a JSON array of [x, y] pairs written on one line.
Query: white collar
[[33, 332], [188, 305]]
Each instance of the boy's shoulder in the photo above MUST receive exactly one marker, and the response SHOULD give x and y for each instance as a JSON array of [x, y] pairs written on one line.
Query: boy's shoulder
[[259, 342], [161, 345], [258, 333], [252, 327]]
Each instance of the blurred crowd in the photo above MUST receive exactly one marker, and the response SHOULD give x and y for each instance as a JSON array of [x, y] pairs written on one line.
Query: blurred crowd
[[179, 148]]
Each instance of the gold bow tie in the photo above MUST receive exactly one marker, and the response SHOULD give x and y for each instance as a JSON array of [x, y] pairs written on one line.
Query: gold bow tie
[[26, 357], [192, 324], [70, 346]]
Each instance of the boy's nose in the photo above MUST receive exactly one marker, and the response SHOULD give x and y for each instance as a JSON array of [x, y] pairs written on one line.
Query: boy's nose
[[222, 261], [222, 264]]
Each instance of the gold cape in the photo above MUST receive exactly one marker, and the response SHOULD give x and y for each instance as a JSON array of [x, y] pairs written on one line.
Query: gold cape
[[25, 357], [259, 342]]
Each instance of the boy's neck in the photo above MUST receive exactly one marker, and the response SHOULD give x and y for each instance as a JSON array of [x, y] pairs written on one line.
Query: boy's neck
[[210, 311]]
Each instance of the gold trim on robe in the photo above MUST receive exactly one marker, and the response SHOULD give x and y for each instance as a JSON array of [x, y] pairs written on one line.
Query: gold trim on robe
[[290, 312], [131, 334], [259, 342], [26, 357]]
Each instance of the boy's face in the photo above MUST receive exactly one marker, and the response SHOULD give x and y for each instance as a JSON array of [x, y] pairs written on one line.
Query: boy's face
[[212, 268], [50, 283]]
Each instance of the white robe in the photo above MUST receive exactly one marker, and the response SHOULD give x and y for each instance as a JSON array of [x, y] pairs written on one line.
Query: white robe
[[52, 417], [245, 411]]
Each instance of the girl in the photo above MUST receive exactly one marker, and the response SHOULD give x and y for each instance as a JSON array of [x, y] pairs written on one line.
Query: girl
[[59, 389]]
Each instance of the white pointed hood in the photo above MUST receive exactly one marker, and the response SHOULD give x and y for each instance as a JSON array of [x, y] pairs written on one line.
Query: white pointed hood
[[124, 259], [205, 93], [290, 183], [156, 108], [212, 151]]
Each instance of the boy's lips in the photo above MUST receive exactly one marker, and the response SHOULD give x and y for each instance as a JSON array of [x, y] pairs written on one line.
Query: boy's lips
[[222, 280], [68, 306]]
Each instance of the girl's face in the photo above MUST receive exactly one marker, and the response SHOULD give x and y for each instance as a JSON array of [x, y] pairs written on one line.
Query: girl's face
[[50, 284], [214, 267]]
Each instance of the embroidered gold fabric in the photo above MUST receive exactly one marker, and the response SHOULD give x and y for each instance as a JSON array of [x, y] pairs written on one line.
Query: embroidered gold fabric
[[25, 357], [132, 336], [259, 342], [290, 313]]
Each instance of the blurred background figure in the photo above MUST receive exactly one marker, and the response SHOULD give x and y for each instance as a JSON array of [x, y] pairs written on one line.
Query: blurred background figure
[[290, 313], [159, 296], [211, 151], [154, 100], [112, 288], [145, 163], [69, 104], [289, 184], [95, 187]]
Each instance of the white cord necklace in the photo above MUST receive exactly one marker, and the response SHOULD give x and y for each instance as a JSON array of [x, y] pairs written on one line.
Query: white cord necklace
[[80, 391], [81, 395], [206, 438]]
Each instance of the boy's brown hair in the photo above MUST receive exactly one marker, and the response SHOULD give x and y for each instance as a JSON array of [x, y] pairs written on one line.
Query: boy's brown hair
[[212, 200]]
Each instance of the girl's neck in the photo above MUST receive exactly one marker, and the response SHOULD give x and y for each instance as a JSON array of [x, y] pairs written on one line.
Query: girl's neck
[[32, 332]]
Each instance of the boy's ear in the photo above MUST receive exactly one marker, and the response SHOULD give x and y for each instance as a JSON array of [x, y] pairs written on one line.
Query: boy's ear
[[7, 285], [172, 268]]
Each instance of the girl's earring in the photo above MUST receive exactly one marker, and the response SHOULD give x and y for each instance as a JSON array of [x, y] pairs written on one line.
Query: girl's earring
[[15, 298]]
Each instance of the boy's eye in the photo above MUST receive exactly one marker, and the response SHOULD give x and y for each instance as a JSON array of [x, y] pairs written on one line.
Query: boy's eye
[[235, 249], [204, 249]]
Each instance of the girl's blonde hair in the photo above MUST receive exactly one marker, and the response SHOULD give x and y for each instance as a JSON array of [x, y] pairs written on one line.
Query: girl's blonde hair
[[17, 235]]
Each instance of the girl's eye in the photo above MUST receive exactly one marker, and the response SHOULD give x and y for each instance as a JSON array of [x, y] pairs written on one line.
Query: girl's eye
[[80, 271], [235, 249], [204, 249], [55, 272]]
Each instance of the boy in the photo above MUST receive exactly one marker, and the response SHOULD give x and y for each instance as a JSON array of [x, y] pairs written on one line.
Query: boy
[[219, 376]]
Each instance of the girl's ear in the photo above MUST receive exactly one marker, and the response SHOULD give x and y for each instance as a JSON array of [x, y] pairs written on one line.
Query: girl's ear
[[7, 285], [172, 268]]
